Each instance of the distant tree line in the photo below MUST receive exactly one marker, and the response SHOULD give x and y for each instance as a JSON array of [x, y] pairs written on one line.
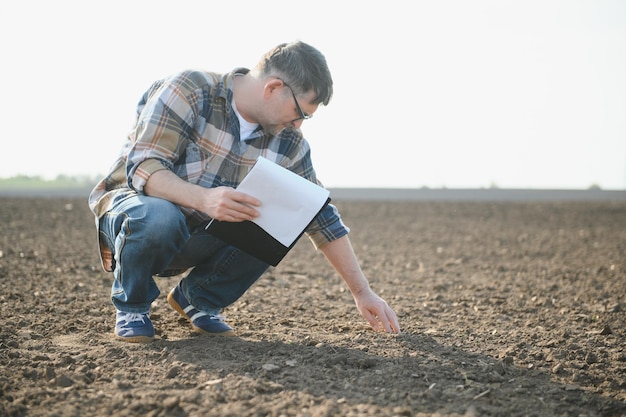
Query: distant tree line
[[60, 181], [83, 181]]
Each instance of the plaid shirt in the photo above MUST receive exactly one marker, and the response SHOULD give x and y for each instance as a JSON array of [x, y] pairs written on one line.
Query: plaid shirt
[[186, 124]]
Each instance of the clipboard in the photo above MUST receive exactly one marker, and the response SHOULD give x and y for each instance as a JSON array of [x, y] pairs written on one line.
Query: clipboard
[[289, 203]]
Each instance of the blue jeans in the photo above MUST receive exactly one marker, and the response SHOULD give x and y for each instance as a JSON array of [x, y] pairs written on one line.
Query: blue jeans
[[149, 236]]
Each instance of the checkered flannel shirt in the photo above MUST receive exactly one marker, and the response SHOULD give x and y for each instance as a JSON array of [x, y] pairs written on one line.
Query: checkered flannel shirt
[[186, 124]]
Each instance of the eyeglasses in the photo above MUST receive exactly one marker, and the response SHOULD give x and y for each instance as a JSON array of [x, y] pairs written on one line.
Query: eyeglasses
[[303, 115]]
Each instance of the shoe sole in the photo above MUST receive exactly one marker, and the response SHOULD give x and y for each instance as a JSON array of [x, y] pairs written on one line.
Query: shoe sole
[[134, 339], [172, 302]]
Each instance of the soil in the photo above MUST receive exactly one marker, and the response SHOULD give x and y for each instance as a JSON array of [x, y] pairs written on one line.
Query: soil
[[507, 309]]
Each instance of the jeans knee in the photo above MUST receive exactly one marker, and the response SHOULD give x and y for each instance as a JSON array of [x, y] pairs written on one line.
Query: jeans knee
[[156, 221], [165, 220]]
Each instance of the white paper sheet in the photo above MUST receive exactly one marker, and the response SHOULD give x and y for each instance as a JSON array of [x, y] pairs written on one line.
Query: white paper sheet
[[288, 201]]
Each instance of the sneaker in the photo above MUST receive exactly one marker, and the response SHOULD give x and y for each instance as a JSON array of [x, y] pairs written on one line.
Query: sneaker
[[134, 327], [201, 322]]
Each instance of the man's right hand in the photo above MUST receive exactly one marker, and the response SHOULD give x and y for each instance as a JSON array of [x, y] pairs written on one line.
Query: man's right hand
[[221, 203], [229, 205]]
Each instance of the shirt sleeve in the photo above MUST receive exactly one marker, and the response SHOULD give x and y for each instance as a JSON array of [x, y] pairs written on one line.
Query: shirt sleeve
[[164, 121], [326, 227]]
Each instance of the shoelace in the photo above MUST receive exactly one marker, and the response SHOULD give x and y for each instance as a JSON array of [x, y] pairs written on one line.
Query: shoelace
[[217, 317], [130, 317]]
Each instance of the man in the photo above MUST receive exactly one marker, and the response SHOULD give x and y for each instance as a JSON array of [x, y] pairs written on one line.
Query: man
[[196, 136]]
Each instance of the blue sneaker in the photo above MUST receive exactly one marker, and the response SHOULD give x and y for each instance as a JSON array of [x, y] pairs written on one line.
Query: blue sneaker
[[201, 322], [134, 327]]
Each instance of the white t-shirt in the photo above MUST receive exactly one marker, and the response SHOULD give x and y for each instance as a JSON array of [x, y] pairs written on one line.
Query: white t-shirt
[[245, 127]]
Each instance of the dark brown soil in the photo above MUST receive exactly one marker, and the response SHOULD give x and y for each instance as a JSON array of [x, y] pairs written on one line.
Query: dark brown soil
[[507, 309]]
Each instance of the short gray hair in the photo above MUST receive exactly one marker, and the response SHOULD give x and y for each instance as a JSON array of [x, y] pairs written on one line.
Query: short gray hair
[[301, 66]]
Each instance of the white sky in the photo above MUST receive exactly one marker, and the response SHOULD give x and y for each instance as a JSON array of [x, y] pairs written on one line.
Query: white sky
[[441, 93]]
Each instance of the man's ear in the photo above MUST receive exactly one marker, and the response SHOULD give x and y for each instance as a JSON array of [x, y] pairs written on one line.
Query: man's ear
[[272, 85]]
